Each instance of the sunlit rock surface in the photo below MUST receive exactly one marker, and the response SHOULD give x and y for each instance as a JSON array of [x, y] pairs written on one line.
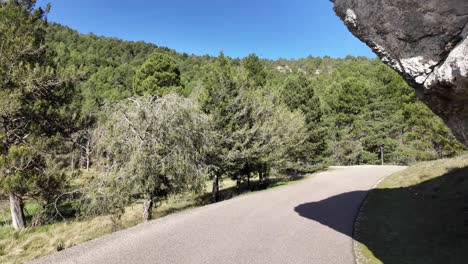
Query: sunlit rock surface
[[426, 42]]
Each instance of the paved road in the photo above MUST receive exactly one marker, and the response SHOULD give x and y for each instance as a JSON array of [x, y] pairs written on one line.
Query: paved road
[[309, 221]]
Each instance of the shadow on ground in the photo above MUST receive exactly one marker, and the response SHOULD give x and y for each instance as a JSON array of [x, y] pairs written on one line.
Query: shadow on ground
[[424, 223], [229, 193], [255, 185]]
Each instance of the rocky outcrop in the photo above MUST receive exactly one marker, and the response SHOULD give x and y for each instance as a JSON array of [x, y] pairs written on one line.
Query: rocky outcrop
[[426, 41]]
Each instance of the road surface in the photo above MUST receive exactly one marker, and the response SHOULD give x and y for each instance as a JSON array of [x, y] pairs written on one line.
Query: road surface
[[309, 221]]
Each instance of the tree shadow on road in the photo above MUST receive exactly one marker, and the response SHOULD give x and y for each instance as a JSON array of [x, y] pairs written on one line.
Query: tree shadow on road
[[335, 211], [255, 185], [424, 223]]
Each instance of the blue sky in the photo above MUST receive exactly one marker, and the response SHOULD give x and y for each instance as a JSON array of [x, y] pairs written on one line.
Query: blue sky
[[272, 29]]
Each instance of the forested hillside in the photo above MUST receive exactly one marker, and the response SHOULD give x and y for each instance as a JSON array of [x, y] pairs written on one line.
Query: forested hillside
[[151, 122], [352, 106]]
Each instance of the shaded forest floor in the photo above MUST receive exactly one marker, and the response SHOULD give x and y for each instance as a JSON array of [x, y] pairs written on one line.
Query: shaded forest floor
[[419, 215], [33, 242]]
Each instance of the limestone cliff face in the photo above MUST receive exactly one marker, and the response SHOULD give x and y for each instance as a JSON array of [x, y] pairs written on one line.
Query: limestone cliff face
[[426, 41]]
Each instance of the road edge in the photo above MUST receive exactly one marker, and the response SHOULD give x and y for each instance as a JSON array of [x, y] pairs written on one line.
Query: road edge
[[355, 247]]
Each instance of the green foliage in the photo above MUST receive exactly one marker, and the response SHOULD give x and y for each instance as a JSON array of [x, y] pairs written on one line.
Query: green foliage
[[353, 99], [254, 131], [299, 94], [107, 85], [255, 71], [366, 106], [36, 109], [19, 167], [153, 147], [275, 132], [107, 65], [159, 75], [220, 92]]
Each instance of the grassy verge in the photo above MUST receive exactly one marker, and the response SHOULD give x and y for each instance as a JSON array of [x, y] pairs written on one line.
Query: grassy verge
[[419, 215], [31, 243]]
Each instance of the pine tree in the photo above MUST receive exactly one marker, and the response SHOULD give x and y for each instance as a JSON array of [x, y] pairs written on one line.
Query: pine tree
[[298, 94], [33, 102], [159, 75], [256, 75], [219, 100]]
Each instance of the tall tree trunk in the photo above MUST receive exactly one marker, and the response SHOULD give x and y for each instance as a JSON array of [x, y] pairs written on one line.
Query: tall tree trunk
[[215, 190], [147, 208], [382, 154], [261, 173], [248, 180], [81, 159], [439, 151], [88, 153], [87, 162], [266, 171], [17, 214], [72, 163]]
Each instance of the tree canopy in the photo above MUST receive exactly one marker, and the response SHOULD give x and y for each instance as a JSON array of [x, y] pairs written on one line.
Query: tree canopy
[[159, 75], [154, 146], [35, 108]]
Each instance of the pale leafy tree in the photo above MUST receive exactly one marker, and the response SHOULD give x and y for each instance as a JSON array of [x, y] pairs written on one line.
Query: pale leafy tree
[[154, 147]]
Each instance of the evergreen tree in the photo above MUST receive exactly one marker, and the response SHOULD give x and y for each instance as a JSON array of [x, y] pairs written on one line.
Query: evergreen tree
[[298, 94], [34, 107], [159, 75], [219, 100], [256, 75], [254, 131]]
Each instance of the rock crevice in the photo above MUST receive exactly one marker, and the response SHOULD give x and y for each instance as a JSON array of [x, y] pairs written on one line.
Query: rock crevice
[[426, 42]]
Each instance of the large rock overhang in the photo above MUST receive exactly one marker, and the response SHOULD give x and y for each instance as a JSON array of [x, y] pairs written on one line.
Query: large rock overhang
[[426, 42]]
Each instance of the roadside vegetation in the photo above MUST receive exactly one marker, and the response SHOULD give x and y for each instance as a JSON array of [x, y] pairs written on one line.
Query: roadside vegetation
[[33, 242], [419, 215], [91, 127]]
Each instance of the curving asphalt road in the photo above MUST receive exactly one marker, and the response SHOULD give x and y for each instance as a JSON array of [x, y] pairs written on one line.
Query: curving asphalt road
[[309, 221]]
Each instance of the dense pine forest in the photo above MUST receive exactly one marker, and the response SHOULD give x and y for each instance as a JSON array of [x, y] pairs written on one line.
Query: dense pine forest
[[150, 122], [350, 106]]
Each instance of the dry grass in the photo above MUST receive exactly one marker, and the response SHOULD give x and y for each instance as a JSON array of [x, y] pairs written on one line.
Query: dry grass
[[19, 247], [419, 215]]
